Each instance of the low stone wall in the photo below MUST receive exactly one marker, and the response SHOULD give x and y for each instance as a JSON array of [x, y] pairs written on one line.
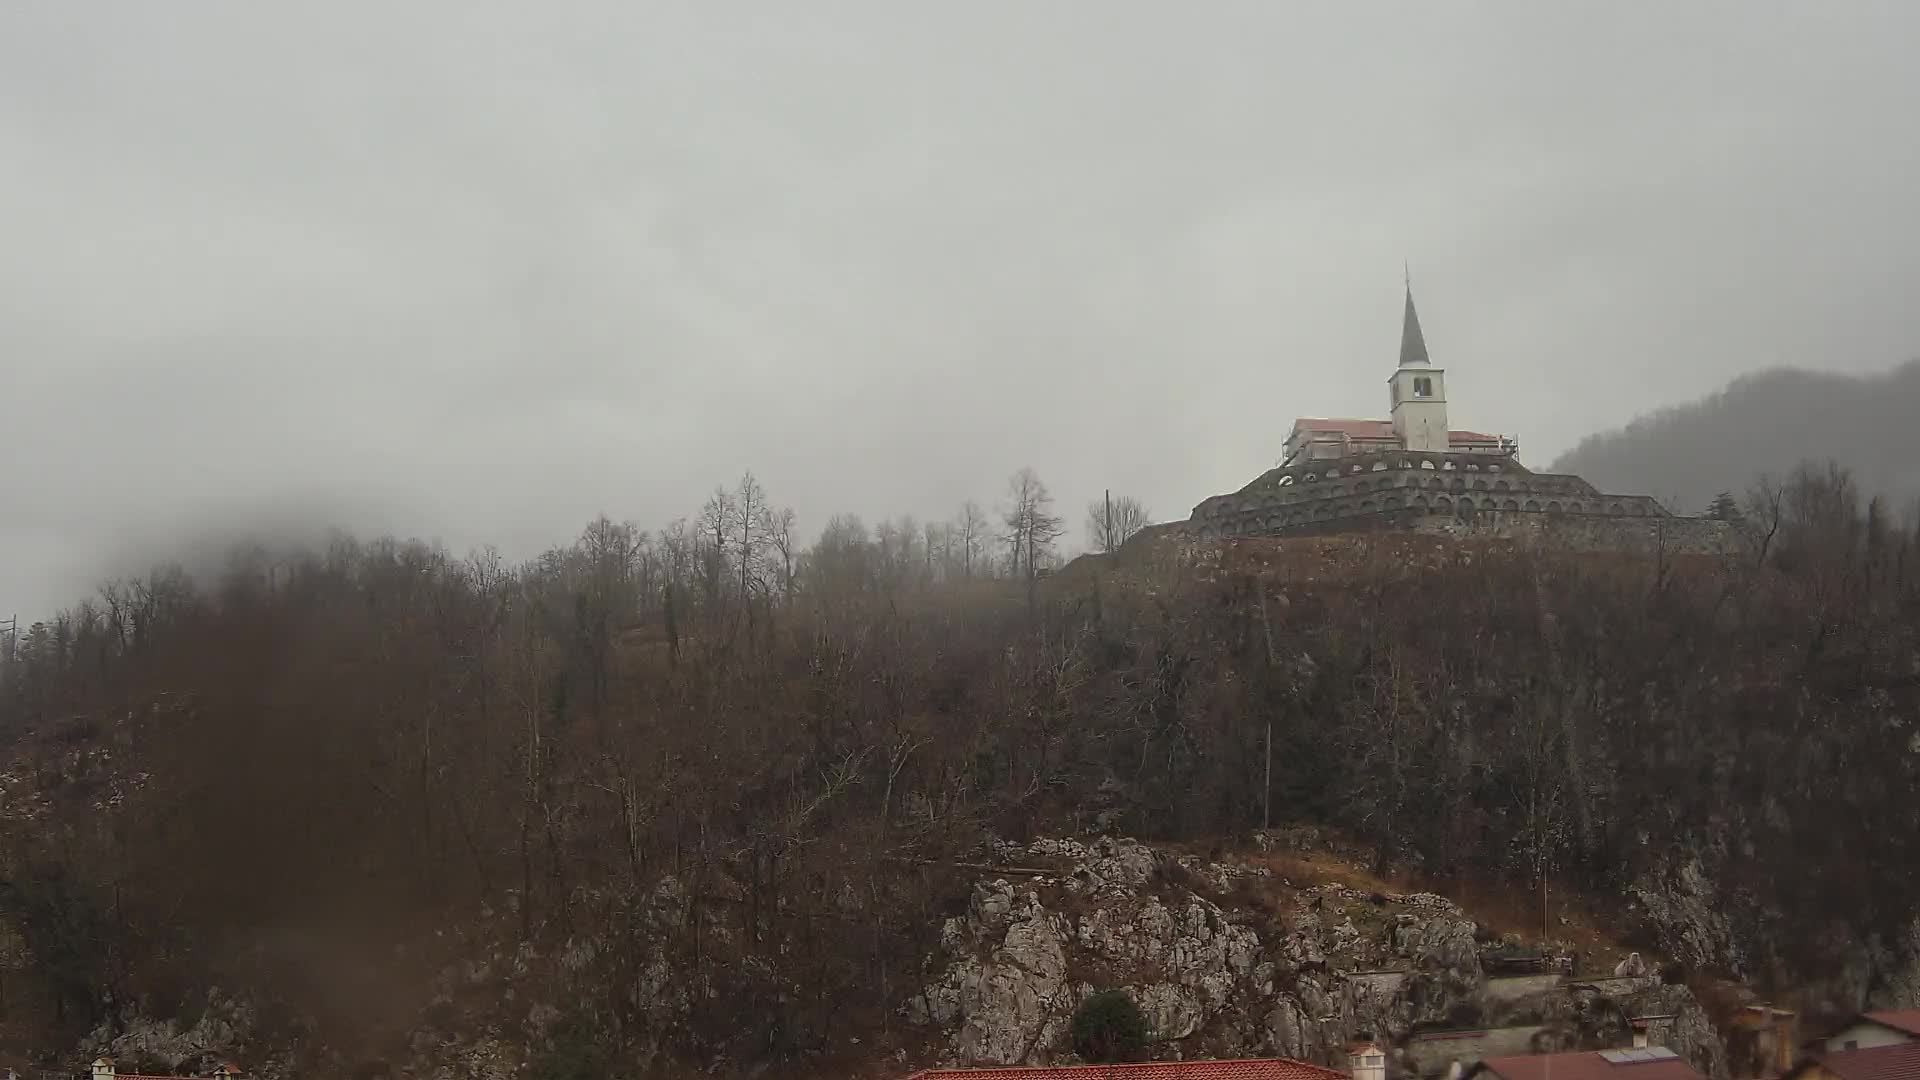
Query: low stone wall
[[1620, 986], [1433, 1053], [1381, 985], [1508, 989], [1646, 535], [1571, 532], [1450, 494]]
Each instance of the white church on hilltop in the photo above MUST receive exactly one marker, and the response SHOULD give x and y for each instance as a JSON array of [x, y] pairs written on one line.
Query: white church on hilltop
[[1418, 391], [1415, 472]]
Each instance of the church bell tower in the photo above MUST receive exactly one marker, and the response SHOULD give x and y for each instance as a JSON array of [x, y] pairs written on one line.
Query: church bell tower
[[1419, 390]]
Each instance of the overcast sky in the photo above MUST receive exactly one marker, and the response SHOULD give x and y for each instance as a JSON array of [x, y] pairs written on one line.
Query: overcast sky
[[478, 271]]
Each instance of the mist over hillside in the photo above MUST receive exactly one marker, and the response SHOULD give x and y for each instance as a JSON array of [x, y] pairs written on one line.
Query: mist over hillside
[[1764, 423]]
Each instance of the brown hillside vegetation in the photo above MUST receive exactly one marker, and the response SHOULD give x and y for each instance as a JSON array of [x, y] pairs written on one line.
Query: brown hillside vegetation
[[377, 787]]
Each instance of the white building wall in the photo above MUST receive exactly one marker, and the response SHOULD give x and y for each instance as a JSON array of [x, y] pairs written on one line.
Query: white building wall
[[1865, 1036], [1420, 419]]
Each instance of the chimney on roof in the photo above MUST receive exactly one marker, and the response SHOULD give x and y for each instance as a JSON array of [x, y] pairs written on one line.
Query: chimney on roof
[[103, 1068], [1783, 1041], [1651, 1030], [1367, 1061]]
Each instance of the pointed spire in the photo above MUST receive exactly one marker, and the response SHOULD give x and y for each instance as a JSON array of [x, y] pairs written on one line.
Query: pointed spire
[[1413, 344]]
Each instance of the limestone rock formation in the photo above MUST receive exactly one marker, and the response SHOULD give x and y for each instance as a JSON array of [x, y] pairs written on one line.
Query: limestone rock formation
[[1224, 963], [1006, 991], [1686, 906], [140, 1041], [1212, 979]]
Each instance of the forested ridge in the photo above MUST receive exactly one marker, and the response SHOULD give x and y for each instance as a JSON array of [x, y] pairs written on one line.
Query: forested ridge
[[712, 761], [1762, 422]]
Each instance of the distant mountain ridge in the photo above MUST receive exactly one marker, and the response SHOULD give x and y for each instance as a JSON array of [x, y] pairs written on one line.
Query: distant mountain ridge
[[1764, 423]]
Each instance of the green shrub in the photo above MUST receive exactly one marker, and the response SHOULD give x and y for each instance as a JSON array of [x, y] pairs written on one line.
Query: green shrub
[[573, 1051], [1109, 1028]]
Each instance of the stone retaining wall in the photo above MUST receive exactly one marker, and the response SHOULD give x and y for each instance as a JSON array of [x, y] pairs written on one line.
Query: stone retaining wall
[[1507, 989], [1651, 536]]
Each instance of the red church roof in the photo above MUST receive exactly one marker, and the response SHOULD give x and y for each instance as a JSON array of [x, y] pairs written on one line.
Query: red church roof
[[1353, 429], [1247, 1069], [1377, 429]]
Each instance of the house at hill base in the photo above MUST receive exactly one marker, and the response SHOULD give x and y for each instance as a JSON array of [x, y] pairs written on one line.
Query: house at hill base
[[104, 1069], [1886, 1061], [1637, 1063], [1367, 1061], [1886, 1027], [1762, 1041], [1431, 1055], [1416, 472]]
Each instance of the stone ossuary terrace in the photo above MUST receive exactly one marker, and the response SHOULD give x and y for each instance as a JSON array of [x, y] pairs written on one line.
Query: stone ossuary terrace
[[1416, 473], [1386, 488]]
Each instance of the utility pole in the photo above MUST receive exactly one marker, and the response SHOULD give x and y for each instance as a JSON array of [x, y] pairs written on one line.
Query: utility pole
[[1266, 808], [10, 628], [1106, 524], [1266, 798]]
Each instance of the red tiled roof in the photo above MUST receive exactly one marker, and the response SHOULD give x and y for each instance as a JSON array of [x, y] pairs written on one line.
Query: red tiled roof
[[1376, 429], [1247, 1069], [1587, 1065], [1907, 1020], [228, 1069], [1356, 429], [1901, 1061]]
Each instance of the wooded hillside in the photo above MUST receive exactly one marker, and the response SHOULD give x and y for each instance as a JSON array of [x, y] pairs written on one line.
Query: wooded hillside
[[740, 769]]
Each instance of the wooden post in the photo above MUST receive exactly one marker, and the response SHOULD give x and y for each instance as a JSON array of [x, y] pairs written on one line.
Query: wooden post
[[1266, 801], [1266, 809]]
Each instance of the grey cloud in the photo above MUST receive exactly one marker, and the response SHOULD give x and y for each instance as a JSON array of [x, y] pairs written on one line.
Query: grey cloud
[[479, 271]]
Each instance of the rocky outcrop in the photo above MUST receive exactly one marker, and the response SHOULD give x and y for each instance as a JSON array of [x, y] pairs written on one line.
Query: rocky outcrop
[[1006, 992], [1299, 973], [1704, 924], [1899, 987], [138, 1041], [1687, 910], [1598, 1015]]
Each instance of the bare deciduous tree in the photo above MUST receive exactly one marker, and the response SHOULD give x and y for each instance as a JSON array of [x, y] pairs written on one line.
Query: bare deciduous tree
[[1765, 500], [930, 548], [748, 529], [1031, 525], [781, 538], [971, 529], [715, 537], [1111, 522], [841, 562]]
